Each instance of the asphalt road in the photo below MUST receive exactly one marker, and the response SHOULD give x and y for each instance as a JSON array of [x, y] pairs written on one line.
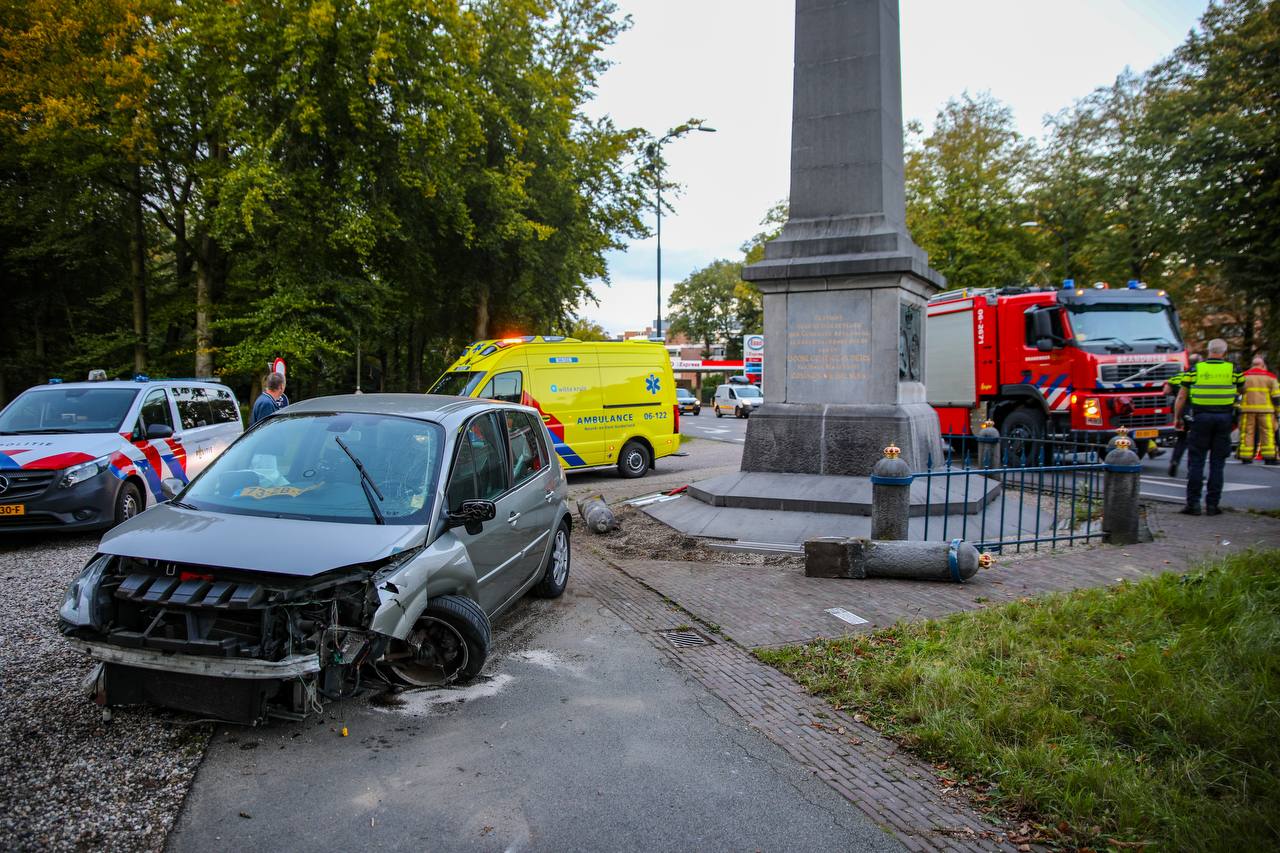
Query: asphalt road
[[578, 737], [707, 425]]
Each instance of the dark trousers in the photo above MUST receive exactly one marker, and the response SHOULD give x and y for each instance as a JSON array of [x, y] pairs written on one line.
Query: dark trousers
[[1179, 447], [1209, 434]]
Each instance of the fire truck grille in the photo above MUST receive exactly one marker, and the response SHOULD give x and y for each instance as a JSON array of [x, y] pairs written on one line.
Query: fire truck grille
[[1149, 372], [1133, 421]]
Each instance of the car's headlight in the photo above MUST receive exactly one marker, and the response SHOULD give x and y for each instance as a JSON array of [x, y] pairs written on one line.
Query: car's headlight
[[84, 471], [83, 607]]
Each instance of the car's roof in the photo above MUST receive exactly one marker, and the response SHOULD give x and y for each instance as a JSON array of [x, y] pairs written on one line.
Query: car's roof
[[427, 406], [125, 383]]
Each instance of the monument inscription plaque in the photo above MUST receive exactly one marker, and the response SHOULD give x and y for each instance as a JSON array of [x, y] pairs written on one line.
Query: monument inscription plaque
[[829, 348]]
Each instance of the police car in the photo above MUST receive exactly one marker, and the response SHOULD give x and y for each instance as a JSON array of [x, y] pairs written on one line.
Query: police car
[[87, 455]]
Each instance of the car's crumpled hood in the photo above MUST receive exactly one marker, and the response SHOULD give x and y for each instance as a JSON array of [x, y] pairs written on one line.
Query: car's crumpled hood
[[277, 545]]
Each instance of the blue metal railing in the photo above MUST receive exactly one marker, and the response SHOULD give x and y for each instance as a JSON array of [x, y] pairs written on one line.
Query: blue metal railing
[[1067, 476]]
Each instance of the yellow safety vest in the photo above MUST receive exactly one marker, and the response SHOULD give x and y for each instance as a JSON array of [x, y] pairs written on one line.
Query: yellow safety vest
[[1212, 385]]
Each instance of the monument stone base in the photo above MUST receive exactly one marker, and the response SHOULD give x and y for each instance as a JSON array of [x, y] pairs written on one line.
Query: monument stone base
[[839, 439]]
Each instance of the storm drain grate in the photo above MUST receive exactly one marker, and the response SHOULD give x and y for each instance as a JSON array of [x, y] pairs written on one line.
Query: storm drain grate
[[683, 639]]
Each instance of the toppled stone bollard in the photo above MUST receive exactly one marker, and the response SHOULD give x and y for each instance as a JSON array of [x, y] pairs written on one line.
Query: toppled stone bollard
[[596, 514], [988, 438], [1121, 484], [955, 561], [890, 496]]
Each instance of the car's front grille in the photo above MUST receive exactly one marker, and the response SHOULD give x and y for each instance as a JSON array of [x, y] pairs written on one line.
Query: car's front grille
[[1151, 371], [23, 484]]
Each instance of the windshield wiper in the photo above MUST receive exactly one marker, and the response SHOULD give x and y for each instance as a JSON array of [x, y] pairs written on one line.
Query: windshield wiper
[[366, 482], [1118, 346], [44, 431], [178, 503]]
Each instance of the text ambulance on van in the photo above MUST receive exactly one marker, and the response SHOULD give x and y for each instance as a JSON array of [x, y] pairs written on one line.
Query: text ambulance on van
[[86, 455], [605, 403]]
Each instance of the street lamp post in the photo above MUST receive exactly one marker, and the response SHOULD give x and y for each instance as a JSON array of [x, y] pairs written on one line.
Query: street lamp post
[[1066, 256], [655, 156]]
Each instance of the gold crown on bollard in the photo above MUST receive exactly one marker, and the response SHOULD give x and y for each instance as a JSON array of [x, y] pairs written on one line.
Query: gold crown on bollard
[[893, 451], [988, 424], [986, 561], [1122, 431], [1123, 443]]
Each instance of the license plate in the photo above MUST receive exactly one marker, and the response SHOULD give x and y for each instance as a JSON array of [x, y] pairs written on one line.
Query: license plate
[[1146, 433], [13, 509]]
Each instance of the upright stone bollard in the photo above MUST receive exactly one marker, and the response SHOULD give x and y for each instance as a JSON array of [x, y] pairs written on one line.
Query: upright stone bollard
[[890, 496], [1120, 494], [988, 445]]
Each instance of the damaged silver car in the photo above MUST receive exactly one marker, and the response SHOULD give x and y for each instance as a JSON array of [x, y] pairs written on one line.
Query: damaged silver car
[[345, 538]]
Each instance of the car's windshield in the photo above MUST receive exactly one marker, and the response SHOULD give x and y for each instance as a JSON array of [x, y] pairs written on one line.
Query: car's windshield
[[747, 391], [460, 383], [683, 394], [292, 466], [1133, 325], [72, 409]]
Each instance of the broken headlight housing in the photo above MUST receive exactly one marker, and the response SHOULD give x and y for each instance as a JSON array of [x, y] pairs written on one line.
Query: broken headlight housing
[[85, 603]]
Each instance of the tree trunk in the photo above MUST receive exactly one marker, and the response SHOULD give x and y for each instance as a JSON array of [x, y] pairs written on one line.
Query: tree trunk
[[482, 316], [204, 289], [416, 344], [138, 274]]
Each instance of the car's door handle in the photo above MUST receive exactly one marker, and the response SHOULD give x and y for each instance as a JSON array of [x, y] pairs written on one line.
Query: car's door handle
[[513, 518], [549, 495]]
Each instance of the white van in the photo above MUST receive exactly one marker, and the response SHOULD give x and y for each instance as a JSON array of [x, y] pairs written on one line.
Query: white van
[[85, 455], [738, 400]]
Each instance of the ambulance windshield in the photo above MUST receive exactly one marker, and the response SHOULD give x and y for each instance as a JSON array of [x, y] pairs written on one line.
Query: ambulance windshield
[[71, 409], [459, 383]]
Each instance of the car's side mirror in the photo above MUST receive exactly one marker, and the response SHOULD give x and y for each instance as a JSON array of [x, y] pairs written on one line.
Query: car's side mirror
[[159, 431], [472, 515], [169, 488]]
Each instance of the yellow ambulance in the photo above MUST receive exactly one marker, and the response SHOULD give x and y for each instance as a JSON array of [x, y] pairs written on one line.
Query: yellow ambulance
[[604, 402]]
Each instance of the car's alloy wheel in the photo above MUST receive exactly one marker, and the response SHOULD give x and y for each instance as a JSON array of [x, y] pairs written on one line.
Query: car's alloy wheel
[[556, 574]]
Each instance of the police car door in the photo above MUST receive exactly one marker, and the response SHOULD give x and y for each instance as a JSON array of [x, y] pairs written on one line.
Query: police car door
[[154, 436]]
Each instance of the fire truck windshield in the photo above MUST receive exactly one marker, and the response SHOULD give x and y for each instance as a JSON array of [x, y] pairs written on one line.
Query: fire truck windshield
[[1149, 327]]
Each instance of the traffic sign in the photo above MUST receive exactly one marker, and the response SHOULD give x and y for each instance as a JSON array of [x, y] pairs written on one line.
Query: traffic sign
[[278, 366]]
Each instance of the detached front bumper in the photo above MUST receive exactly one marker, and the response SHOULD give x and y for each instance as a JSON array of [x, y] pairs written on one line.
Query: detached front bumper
[[290, 667]]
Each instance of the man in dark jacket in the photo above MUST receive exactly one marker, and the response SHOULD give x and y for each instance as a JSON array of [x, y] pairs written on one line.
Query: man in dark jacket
[[270, 400]]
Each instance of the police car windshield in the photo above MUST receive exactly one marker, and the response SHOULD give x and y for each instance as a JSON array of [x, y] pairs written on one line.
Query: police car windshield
[[1144, 325], [292, 466], [67, 410], [460, 383], [746, 390]]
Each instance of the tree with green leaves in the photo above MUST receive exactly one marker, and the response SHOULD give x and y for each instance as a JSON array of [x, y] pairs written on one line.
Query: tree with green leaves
[[703, 305]]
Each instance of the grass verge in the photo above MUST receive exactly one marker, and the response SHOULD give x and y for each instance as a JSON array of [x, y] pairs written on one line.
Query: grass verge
[[1141, 715]]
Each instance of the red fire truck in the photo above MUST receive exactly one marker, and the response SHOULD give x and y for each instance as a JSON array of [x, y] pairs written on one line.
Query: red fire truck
[[1074, 363]]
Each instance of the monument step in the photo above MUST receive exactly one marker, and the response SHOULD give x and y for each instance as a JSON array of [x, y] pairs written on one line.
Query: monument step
[[839, 495]]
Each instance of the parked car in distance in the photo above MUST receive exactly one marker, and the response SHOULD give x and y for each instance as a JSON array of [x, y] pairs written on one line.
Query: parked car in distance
[[687, 402], [88, 455], [343, 538], [738, 400], [605, 403]]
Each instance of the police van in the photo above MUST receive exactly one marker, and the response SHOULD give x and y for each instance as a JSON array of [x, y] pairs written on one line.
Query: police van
[[604, 402], [86, 455]]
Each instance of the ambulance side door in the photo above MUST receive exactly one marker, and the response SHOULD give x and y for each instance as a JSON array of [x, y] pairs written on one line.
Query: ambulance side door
[[566, 391]]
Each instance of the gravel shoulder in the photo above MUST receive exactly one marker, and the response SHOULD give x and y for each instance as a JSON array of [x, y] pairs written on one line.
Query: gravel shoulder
[[71, 780]]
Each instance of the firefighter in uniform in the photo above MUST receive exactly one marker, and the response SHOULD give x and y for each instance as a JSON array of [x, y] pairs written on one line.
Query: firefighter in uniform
[[1258, 404], [1211, 390]]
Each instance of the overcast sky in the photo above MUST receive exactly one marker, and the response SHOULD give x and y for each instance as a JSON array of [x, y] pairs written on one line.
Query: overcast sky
[[729, 62]]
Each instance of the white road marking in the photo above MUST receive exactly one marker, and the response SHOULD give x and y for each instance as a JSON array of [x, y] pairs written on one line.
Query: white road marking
[[851, 618]]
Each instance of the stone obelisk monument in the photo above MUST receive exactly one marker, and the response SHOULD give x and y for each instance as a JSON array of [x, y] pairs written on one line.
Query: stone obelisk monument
[[844, 285]]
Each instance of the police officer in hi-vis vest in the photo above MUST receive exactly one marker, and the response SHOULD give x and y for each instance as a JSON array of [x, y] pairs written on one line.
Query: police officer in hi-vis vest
[[1211, 389]]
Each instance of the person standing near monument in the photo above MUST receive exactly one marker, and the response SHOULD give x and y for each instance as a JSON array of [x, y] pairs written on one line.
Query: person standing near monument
[[270, 400], [1210, 389], [1259, 402]]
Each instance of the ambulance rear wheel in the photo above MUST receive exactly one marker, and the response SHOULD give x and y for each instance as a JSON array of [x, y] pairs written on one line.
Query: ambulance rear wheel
[[128, 502], [634, 460]]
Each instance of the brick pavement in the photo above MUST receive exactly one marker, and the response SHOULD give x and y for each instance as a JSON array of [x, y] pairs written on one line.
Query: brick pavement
[[766, 605], [897, 791]]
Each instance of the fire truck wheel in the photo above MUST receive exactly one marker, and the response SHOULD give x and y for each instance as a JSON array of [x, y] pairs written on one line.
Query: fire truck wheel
[[1024, 430]]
